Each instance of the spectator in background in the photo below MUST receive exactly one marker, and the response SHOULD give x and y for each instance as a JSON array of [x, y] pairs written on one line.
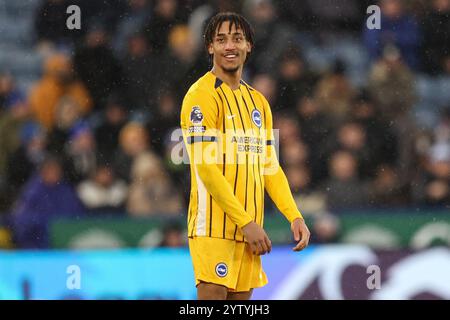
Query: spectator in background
[[137, 12], [107, 134], [11, 122], [182, 55], [141, 67], [308, 200], [267, 85], [173, 236], [436, 36], [151, 190], [24, 161], [352, 136], [316, 128], [379, 135], [9, 93], [294, 80], [344, 189], [102, 192], [58, 81], [45, 197], [133, 141], [386, 190], [272, 38], [67, 115], [97, 67], [391, 85], [327, 229], [80, 150], [432, 186], [164, 17], [400, 29], [334, 93], [165, 118]]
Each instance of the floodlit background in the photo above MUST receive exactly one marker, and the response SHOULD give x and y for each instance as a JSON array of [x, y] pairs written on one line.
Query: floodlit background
[[92, 207]]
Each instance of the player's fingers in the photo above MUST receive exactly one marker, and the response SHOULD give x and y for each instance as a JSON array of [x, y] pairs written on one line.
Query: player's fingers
[[260, 248], [296, 232], [300, 246], [264, 247], [268, 244], [253, 247], [303, 242]]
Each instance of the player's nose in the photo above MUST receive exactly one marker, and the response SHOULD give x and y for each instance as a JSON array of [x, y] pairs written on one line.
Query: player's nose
[[230, 45]]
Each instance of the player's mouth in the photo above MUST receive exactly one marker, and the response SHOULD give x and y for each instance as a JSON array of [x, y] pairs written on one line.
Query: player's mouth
[[231, 57]]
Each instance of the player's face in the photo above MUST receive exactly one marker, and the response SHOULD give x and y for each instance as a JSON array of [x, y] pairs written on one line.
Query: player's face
[[229, 47]]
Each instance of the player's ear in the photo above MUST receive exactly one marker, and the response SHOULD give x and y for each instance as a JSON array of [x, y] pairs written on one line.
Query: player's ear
[[249, 47], [210, 49]]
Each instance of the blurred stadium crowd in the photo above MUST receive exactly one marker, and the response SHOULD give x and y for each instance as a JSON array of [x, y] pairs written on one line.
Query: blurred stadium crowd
[[86, 115]]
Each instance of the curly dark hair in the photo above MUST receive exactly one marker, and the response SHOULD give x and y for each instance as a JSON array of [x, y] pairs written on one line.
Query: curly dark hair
[[235, 19]]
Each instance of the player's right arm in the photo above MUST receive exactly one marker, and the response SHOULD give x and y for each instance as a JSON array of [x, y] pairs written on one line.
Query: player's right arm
[[199, 122]]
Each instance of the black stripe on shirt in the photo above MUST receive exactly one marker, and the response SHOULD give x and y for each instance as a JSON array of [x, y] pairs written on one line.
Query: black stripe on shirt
[[191, 140]]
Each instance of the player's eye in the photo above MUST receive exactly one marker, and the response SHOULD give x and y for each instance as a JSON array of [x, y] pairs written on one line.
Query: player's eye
[[220, 40]]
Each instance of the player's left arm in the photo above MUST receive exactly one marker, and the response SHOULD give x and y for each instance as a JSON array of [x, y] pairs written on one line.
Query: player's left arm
[[277, 186]]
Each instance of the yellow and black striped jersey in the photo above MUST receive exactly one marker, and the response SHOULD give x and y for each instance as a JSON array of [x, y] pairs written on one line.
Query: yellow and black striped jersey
[[229, 138]]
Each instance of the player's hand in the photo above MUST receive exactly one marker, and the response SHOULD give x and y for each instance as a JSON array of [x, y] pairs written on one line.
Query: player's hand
[[301, 234], [257, 238]]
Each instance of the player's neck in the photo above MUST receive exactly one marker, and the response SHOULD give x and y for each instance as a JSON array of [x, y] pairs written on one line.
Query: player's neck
[[232, 79]]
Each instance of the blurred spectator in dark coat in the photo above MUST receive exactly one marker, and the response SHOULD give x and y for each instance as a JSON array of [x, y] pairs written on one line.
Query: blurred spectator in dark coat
[[272, 37], [107, 134], [133, 141], [67, 116], [165, 118], [181, 55], [379, 135], [391, 85], [102, 192], [308, 200], [344, 189], [45, 197], [9, 93], [24, 161], [316, 128], [136, 13], [386, 190], [267, 85], [334, 93], [164, 17], [142, 71], [432, 185], [80, 150], [15, 115], [436, 45], [173, 236], [294, 80], [399, 29], [326, 228], [97, 67]]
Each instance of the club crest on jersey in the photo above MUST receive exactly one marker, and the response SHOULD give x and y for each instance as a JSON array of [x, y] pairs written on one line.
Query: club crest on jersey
[[196, 115], [256, 117], [221, 269]]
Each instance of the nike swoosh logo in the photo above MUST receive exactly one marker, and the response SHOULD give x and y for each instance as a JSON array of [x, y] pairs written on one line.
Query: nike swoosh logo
[[231, 116]]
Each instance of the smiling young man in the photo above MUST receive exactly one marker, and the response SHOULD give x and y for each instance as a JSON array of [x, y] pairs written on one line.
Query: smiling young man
[[227, 130]]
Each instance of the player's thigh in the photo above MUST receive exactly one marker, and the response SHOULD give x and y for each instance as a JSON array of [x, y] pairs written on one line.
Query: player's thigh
[[211, 291], [245, 295]]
